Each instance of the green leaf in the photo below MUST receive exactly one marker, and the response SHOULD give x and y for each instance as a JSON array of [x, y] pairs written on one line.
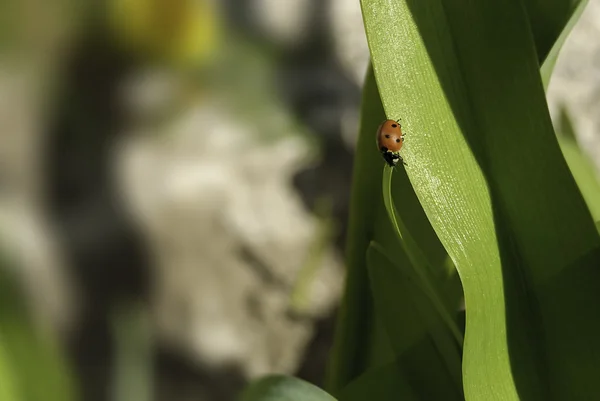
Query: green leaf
[[550, 23], [384, 383], [550, 60], [417, 260], [422, 239], [485, 163], [421, 339], [283, 388]]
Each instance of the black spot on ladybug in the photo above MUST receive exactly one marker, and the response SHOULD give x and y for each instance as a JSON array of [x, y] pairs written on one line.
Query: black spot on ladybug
[[394, 125], [387, 136], [397, 140]]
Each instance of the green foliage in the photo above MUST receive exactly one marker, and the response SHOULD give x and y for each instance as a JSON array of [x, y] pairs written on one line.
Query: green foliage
[[384, 383], [490, 177], [31, 366], [283, 388], [424, 345], [7, 389]]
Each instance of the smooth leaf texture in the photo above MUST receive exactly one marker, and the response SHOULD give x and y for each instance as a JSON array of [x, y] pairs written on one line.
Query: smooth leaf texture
[[487, 168], [424, 345], [283, 388], [417, 262], [422, 239], [384, 383]]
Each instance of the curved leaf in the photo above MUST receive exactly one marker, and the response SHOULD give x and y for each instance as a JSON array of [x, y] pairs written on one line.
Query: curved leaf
[[283, 388], [417, 260]]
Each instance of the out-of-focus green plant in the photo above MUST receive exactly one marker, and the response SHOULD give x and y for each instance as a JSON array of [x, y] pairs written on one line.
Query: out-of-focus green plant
[[132, 366], [32, 367]]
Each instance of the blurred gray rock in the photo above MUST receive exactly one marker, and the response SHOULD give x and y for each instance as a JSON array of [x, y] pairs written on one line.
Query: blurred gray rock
[[230, 238]]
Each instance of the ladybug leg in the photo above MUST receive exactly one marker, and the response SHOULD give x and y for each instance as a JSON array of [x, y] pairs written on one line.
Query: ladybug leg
[[397, 158]]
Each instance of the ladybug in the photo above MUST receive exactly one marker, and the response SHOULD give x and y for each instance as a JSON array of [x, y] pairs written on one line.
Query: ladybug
[[389, 141]]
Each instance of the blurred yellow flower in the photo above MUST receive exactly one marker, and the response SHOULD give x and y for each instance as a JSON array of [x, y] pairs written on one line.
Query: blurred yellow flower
[[184, 32]]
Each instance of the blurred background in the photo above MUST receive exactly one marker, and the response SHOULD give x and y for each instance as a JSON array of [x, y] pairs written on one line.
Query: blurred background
[[174, 189]]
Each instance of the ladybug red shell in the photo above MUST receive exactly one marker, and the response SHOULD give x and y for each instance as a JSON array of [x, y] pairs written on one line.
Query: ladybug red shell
[[389, 141]]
